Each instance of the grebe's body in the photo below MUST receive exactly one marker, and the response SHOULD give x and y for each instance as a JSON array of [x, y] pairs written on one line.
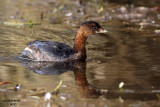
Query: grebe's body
[[55, 51]]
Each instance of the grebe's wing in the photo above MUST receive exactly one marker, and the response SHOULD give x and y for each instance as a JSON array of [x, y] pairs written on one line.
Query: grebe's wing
[[47, 51]]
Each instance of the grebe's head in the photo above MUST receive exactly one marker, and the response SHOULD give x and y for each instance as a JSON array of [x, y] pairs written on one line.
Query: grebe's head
[[91, 28]]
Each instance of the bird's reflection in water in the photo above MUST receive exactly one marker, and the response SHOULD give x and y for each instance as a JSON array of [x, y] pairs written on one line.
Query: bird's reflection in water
[[57, 68]]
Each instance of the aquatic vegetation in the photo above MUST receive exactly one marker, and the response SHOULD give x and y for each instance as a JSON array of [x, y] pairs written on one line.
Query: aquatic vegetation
[[31, 24], [16, 86], [101, 8], [121, 84]]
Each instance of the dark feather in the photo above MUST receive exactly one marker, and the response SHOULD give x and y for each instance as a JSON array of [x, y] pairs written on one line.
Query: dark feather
[[48, 51]]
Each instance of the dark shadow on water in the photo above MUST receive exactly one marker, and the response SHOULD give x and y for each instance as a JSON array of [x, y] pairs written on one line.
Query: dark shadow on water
[[57, 68], [48, 68]]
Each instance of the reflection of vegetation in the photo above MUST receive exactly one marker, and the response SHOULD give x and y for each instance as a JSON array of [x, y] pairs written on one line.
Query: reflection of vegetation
[[101, 8], [31, 24], [59, 8]]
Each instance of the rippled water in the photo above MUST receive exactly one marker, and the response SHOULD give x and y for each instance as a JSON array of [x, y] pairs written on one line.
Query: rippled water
[[127, 53]]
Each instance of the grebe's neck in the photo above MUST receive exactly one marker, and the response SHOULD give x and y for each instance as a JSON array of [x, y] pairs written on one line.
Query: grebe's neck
[[79, 46], [80, 41]]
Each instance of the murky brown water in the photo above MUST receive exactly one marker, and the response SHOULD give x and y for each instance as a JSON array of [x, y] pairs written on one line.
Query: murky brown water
[[128, 53]]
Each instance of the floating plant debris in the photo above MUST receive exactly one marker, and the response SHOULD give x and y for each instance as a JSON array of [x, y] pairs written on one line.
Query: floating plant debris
[[16, 87], [43, 93], [30, 24]]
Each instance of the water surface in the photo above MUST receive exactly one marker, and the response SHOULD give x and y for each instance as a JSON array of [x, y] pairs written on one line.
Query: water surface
[[127, 53]]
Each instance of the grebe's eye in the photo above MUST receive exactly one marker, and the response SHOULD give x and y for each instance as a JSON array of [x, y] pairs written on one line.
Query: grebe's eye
[[95, 27]]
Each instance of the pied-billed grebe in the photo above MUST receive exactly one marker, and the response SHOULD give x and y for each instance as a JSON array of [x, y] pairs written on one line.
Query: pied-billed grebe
[[55, 51]]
